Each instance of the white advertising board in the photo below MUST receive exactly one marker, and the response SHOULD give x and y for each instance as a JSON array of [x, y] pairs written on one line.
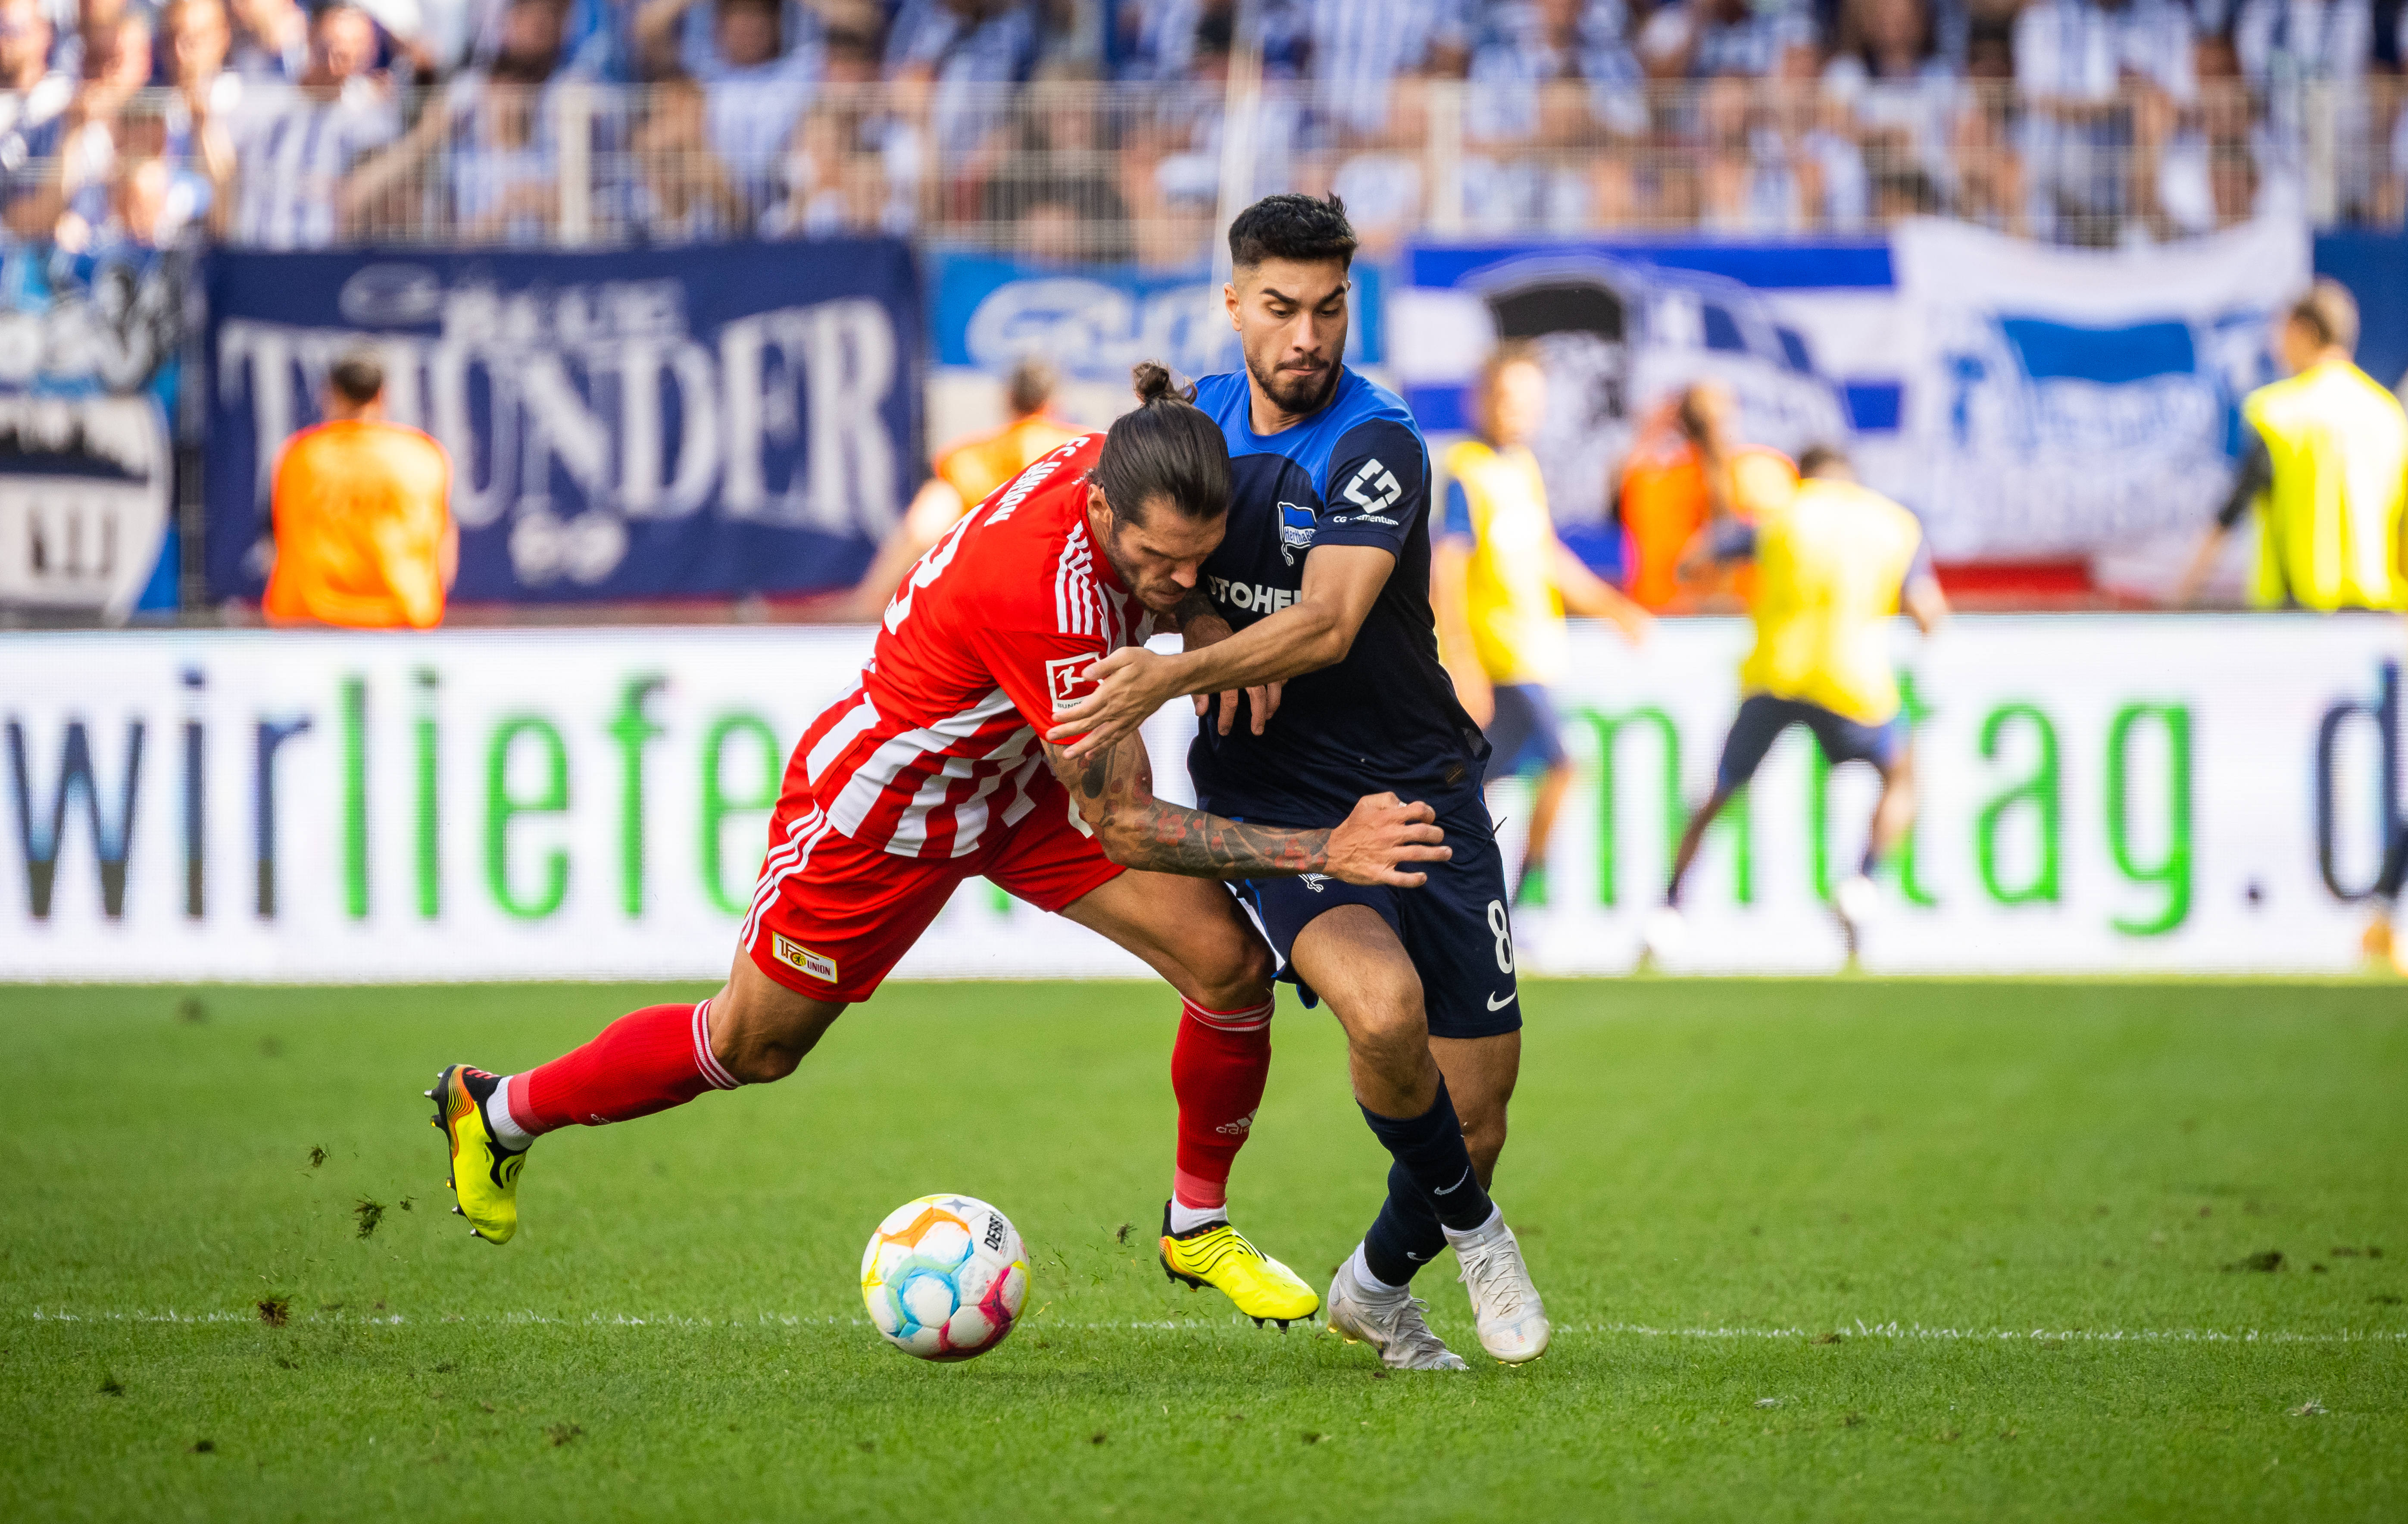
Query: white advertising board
[[2099, 794]]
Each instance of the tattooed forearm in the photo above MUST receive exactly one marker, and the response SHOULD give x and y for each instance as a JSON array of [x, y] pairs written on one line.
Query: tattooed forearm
[[1114, 793], [1170, 840]]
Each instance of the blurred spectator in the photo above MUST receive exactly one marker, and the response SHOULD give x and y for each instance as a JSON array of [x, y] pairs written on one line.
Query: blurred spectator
[[295, 150], [1360, 48], [1987, 168], [966, 54], [683, 192], [756, 83], [273, 41], [1061, 165], [1889, 69], [361, 512], [33, 119], [1703, 39], [206, 96], [490, 135], [1524, 47], [2102, 81]]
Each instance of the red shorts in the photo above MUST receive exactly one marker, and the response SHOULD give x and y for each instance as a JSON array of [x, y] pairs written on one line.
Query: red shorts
[[831, 916]]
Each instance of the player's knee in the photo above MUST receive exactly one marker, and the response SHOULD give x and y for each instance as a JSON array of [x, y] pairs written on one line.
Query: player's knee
[[1387, 1011], [1240, 975]]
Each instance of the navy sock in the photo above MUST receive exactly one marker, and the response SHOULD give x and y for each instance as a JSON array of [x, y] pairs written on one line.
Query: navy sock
[[1429, 1149], [1406, 1235]]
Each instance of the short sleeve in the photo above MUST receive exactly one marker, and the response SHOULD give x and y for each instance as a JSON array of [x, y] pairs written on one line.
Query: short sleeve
[[1458, 519], [1377, 486], [1920, 569], [1038, 669]]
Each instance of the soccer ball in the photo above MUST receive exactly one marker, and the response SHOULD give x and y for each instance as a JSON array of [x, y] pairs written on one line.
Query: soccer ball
[[944, 1277]]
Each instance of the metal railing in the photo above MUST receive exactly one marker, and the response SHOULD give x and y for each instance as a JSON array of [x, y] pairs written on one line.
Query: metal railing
[[1083, 171]]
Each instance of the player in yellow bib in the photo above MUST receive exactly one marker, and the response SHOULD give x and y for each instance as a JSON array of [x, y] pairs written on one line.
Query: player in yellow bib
[[1832, 565], [1503, 583]]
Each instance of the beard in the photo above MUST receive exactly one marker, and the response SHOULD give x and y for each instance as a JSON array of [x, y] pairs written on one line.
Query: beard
[[1294, 391]]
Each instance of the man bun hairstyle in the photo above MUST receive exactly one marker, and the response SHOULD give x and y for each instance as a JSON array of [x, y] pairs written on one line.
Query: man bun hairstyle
[[2330, 312], [1166, 447], [1292, 226]]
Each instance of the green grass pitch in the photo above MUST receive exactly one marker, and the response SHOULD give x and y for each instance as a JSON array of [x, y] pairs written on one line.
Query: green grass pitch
[[1841, 1249]]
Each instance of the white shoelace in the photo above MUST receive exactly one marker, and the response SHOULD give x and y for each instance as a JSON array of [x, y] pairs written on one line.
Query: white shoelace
[[1489, 1269], [1408, 1328]]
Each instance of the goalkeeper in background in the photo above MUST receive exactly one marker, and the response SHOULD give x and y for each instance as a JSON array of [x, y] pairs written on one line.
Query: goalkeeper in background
[[1502, 582]]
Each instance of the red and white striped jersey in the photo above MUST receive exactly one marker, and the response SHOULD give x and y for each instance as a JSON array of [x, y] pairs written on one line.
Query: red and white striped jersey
[[940, 743]]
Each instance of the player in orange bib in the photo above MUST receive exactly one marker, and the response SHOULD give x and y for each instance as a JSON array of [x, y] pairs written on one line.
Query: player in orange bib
[[1684, 472], [362, 508], [965, 474], [931, 771]]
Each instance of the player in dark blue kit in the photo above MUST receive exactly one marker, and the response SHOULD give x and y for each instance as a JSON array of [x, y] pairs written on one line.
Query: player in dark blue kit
[[1312, 622]]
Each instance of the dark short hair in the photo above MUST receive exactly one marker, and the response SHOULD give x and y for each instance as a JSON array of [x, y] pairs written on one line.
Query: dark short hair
[[1164, 447], [2330, 312], [1292, 226], [1819, 456], [1031, 385], [357, 378]]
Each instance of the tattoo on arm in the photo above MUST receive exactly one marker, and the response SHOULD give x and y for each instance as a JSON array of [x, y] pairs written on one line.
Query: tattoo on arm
[[1114, 794]]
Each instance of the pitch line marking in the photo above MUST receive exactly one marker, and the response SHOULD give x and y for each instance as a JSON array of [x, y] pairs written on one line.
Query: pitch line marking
[[1897, 1332]]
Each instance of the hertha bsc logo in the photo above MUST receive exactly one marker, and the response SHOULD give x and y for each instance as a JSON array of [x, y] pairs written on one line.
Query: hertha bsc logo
[[1067, 678]]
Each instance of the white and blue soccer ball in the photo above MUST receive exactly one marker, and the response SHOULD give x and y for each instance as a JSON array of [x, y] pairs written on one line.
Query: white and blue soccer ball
[[944, 1277]]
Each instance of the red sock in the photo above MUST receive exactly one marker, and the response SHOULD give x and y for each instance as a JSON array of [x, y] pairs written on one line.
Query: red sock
[[1217, 1069], [644, 1062]]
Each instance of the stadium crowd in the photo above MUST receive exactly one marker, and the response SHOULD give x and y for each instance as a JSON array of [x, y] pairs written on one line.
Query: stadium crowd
[[1093, 128]]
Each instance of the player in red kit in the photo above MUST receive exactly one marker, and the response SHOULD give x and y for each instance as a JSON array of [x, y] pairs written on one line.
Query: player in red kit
[[932, 770]]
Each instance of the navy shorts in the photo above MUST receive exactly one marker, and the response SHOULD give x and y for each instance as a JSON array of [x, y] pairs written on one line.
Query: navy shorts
[[1456, 928], [1762, 718], [1524, 732]]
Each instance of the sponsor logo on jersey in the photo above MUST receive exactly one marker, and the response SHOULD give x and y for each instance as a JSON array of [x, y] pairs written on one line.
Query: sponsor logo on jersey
[[1255, 596], [1294, 530], [796, 956], [1068, 675], [1373, 490]]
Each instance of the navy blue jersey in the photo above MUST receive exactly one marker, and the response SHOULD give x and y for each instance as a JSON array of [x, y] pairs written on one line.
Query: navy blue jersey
[[1355, 473]]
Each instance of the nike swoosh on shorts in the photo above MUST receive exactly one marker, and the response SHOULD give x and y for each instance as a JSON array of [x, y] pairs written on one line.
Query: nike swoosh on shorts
[[1496, 1004]]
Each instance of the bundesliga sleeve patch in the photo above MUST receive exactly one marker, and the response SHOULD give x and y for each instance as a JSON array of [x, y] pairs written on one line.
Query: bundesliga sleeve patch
[[1067, 680], [796, 956]]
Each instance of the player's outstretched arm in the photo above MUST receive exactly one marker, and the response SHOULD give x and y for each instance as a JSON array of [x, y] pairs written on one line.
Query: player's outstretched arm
[[1342, 583], [1114, 792]]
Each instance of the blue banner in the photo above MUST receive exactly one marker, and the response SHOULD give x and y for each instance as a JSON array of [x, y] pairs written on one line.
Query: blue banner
[[702, 421], [89, 350], [1095, 322]]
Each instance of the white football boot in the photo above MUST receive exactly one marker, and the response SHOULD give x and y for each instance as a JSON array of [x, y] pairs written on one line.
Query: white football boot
[[1505, 1304], [1663, 936], [1390, 1323], [1856, 901]]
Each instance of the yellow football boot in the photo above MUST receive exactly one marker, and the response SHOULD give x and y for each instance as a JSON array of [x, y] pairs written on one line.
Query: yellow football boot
[[485, 1175], [1220, 1257]]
